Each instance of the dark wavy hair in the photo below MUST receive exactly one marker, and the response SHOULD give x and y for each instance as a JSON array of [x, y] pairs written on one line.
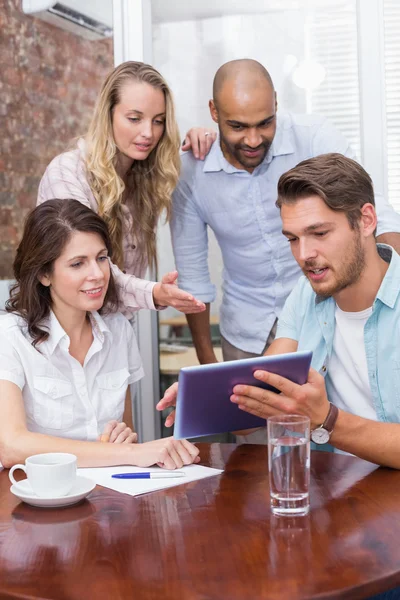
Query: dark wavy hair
[[47, 230]]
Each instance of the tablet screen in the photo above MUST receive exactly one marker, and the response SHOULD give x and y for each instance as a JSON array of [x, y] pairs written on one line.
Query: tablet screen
[[203, 405]]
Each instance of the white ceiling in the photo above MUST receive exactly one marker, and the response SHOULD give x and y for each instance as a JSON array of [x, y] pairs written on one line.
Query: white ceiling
[[185, 10], [179, 10]]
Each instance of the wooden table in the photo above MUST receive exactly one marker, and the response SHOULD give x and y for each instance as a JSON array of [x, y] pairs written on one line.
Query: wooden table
[[211, 539], [172, 362]]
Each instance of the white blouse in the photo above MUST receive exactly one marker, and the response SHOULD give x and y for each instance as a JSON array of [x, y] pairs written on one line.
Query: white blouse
[[62, 397]]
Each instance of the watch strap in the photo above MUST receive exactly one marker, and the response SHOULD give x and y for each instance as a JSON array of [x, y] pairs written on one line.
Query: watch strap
[[331, 418]]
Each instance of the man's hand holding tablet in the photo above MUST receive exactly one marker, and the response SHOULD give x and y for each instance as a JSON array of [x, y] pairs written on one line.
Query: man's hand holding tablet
[[203, 399]]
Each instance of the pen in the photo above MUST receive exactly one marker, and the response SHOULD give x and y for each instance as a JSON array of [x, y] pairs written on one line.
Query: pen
[[148, 475]]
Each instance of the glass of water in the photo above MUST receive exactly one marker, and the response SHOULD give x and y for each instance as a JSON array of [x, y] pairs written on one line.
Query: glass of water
[[289, 464]]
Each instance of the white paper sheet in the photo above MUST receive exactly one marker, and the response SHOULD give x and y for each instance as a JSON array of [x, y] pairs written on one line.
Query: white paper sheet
[[134, 487]]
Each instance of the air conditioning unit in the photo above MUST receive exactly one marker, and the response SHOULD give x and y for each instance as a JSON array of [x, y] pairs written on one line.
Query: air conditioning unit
[[92, 19]]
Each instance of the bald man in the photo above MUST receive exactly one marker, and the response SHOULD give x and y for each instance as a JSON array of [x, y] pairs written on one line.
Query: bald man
[[234, 192]]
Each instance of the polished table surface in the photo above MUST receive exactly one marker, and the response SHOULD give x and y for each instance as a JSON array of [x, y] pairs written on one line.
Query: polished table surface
[[210, 539]]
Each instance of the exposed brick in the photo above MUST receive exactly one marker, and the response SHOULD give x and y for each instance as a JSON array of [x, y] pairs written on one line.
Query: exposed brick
[[50, 80], [25, 200], [9, 233], [12, 76], [6, 198], [5, 215], [7, 255]]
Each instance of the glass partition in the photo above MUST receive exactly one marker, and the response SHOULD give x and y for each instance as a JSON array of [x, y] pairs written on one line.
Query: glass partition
[[310, 50]]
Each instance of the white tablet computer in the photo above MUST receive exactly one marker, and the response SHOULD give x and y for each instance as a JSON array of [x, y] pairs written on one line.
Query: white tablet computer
[[203, 405]]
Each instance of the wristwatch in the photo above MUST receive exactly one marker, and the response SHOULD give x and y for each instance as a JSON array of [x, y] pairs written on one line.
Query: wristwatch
[[322, 433]]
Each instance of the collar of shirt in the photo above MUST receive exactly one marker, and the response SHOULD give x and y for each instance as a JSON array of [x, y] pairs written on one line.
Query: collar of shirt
[[100, 329], [57, 333], [312, 321], [390, 287], [282, 144]]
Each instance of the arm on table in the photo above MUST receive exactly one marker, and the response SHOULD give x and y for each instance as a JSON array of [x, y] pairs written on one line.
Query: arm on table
[[374, 441], [17, 443]]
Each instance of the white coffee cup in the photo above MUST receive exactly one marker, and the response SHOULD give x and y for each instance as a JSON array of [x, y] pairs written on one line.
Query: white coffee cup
[[50, 475]]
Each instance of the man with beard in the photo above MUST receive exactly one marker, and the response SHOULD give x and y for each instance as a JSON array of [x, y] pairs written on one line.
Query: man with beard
[[346, 310], [234, 191]]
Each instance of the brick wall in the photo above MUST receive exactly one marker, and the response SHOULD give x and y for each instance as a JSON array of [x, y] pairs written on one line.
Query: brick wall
[[49, 82]]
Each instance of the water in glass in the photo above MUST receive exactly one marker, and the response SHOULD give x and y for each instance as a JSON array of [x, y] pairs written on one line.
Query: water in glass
[[289, 474]]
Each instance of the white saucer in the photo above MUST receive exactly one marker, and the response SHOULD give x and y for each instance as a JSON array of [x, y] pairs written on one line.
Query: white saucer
[[81, 489]]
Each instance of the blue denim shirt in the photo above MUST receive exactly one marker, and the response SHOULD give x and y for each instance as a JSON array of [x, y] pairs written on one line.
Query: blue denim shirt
[[310, 320]]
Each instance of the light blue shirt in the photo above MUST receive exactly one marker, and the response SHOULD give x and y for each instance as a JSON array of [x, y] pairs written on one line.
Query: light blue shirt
[[310, 320], [259, 270]]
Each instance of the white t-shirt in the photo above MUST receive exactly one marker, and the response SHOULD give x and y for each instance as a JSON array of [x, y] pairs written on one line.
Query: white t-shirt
[[347, 379], [62, 397]]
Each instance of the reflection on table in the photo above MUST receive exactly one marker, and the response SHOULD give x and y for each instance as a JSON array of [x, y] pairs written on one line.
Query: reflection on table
[[213, 538]]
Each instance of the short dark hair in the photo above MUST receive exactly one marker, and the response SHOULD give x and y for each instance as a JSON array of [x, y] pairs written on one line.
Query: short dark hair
[[48, 228], [339, 181]]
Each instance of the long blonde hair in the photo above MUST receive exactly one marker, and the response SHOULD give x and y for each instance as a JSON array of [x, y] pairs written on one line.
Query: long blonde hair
[[150, 182]]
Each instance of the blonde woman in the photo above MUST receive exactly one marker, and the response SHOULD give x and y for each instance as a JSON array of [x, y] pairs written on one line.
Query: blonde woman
[[126, 169]]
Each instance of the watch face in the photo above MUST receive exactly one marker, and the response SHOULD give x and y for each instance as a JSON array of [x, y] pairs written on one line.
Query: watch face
[[320, 436]]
